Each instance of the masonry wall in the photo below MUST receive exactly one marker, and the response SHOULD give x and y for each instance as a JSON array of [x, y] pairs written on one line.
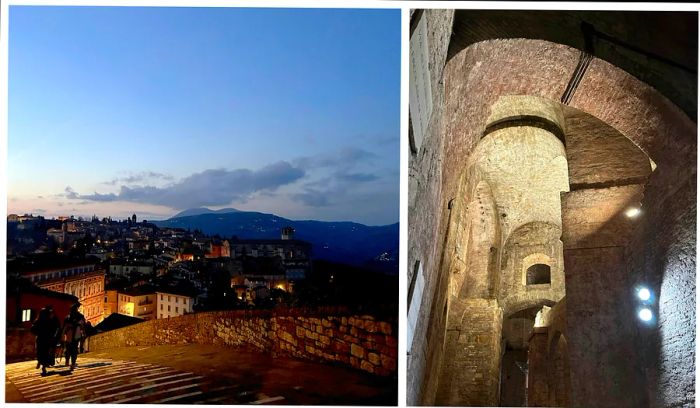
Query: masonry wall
[[426, 208], [19, 345], [361, 342], [470, 373], [537, 359], [474, 78], [663, 257]]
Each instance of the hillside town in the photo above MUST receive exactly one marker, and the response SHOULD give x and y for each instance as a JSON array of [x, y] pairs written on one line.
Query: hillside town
[[126, 271]]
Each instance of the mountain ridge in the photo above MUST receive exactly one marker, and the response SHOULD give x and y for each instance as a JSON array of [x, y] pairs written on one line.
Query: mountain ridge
[[348, 242]]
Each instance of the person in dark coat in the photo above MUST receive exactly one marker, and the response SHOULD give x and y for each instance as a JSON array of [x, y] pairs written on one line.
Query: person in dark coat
[[73, 333], [45, 328]]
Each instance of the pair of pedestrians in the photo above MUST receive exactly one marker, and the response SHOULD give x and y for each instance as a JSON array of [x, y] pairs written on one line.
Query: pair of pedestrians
[[49, 333]]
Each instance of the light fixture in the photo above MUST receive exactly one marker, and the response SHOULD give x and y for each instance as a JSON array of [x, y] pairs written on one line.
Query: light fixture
[[645, 314], [633, 212], [644, 294]]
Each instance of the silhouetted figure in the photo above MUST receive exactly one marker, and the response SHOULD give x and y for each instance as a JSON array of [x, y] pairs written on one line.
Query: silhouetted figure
[[56, 324], [45, 327], [73, 333]]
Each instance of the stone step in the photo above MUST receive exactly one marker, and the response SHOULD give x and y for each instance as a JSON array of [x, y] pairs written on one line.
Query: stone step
[[214, 395], [100, 383], [155, 394], [138, 390], [64, 375], [100, 380]]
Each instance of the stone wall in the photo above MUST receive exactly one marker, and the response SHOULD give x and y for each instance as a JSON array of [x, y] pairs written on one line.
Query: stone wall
[[666, 263], [662, 249], [361, 342], [425, 210], [470, 374], [19, 345]]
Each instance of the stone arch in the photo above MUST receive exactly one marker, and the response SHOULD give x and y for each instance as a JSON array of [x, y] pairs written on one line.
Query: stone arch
[[536, 231], [517, 303]]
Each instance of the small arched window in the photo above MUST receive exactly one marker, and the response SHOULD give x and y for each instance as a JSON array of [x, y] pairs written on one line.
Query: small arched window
[[538, 274]]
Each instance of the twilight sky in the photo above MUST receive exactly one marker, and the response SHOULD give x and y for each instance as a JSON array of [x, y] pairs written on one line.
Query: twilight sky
[[121, 110]]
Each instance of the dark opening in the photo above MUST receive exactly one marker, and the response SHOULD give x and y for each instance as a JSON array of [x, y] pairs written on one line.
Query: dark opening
[[538, 274]]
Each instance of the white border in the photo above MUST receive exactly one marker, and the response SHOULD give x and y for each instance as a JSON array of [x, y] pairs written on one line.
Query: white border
[[405, 6]]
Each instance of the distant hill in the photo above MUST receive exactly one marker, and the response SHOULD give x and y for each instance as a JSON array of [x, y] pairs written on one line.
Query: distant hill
[[203, 210], [374, 247]]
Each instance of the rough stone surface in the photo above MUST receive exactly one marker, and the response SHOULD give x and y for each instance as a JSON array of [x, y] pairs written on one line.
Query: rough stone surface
[[470, 375], [291, 336], [602, 334]]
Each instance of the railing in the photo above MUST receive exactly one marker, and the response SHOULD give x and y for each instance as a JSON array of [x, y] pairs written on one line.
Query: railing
[[145, 302]]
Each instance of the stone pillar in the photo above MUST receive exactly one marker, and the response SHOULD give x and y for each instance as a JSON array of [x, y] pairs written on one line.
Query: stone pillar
[[537, 378], [601, 318], [471, 364]]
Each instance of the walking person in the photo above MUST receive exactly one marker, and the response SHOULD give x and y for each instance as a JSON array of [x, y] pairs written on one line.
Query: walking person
[[45, 328], [73, 332], [56, 338]]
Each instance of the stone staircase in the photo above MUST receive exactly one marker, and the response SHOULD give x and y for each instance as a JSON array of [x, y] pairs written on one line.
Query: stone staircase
[[99, 380]]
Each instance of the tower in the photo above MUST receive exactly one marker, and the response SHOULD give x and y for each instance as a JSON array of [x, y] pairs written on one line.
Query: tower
[[287, 233]]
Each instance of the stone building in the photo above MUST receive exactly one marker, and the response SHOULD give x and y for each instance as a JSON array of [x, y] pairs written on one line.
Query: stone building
[[172, 303], [552, 177], [78, 278], [139, 301]]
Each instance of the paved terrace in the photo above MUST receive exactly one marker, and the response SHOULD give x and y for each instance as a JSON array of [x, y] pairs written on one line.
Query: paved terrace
[[196, 374]]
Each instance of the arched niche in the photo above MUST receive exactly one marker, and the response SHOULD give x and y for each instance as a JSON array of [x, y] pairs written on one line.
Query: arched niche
[[537, 269]]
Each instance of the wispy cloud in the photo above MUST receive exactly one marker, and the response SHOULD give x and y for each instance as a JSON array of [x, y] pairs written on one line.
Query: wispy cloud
[[208, 188], [345, 158], [140, 177]]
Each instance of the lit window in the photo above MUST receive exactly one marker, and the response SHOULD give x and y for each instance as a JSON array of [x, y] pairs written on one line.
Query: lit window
[[26, 315]]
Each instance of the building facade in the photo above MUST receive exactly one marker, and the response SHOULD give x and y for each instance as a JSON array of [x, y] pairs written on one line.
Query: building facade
[[172, 304]]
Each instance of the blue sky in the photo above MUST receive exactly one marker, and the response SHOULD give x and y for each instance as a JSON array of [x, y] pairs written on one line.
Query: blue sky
[[115, 110]]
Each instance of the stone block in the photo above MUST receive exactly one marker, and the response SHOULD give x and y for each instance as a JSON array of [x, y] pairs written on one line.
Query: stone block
[[370, 326], [388, 362], [366, 366], [384, 328], [357, 351]]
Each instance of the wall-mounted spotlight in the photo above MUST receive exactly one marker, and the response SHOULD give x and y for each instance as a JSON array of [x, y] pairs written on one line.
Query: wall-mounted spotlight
[[633, 212], [644, 294], [645, 314]]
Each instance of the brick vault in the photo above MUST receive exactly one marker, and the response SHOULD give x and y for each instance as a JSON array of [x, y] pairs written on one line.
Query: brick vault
[[547, 185]]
